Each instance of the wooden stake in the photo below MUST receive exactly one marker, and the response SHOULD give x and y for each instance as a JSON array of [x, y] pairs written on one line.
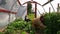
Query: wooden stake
[[58, 8], [35, 10], [49, 9], [19, 2], [9, 17], [27, 9]]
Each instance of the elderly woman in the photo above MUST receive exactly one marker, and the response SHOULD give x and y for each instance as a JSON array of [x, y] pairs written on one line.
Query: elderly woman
[[38, 25]]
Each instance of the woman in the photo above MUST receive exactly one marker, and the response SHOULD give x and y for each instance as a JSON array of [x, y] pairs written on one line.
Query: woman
[[38, 24]]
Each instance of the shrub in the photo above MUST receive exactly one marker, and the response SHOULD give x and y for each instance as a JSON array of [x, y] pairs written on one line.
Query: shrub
[[52, 21], [18, 24], [58, 32], [1, 33]]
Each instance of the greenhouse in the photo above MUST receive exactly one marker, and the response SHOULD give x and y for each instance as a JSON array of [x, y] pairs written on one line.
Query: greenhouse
[[29, 16]]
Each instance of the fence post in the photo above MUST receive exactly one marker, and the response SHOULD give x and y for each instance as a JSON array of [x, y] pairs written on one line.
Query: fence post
[[35, 10], [15, 16], [9, 17], [58, 8], [49, 9], [27, 9]]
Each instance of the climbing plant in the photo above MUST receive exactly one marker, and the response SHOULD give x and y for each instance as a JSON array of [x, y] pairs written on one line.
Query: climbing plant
[[30, 13], [29, 8]]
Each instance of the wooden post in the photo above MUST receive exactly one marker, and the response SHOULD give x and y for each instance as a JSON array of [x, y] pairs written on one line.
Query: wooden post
[[27, 9], [49, 9], [35, 10], [9, 17], [19, 2], [16, 16], [58, 8]]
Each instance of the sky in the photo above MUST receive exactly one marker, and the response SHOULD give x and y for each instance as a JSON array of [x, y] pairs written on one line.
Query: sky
[[46, 7]]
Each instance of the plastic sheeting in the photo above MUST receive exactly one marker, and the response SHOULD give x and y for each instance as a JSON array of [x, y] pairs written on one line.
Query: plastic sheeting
[[39, 1], [8, 4], [11, 5], [21, 11], [4, 19]]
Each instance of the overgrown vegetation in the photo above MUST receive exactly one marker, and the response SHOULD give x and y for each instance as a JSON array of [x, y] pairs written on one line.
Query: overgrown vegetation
[[52, 21], [31, 16], [29, 8], [19, 26], [30, 13]]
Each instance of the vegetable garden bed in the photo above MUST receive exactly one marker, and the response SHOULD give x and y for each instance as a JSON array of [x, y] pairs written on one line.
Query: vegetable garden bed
[[19, 26]]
